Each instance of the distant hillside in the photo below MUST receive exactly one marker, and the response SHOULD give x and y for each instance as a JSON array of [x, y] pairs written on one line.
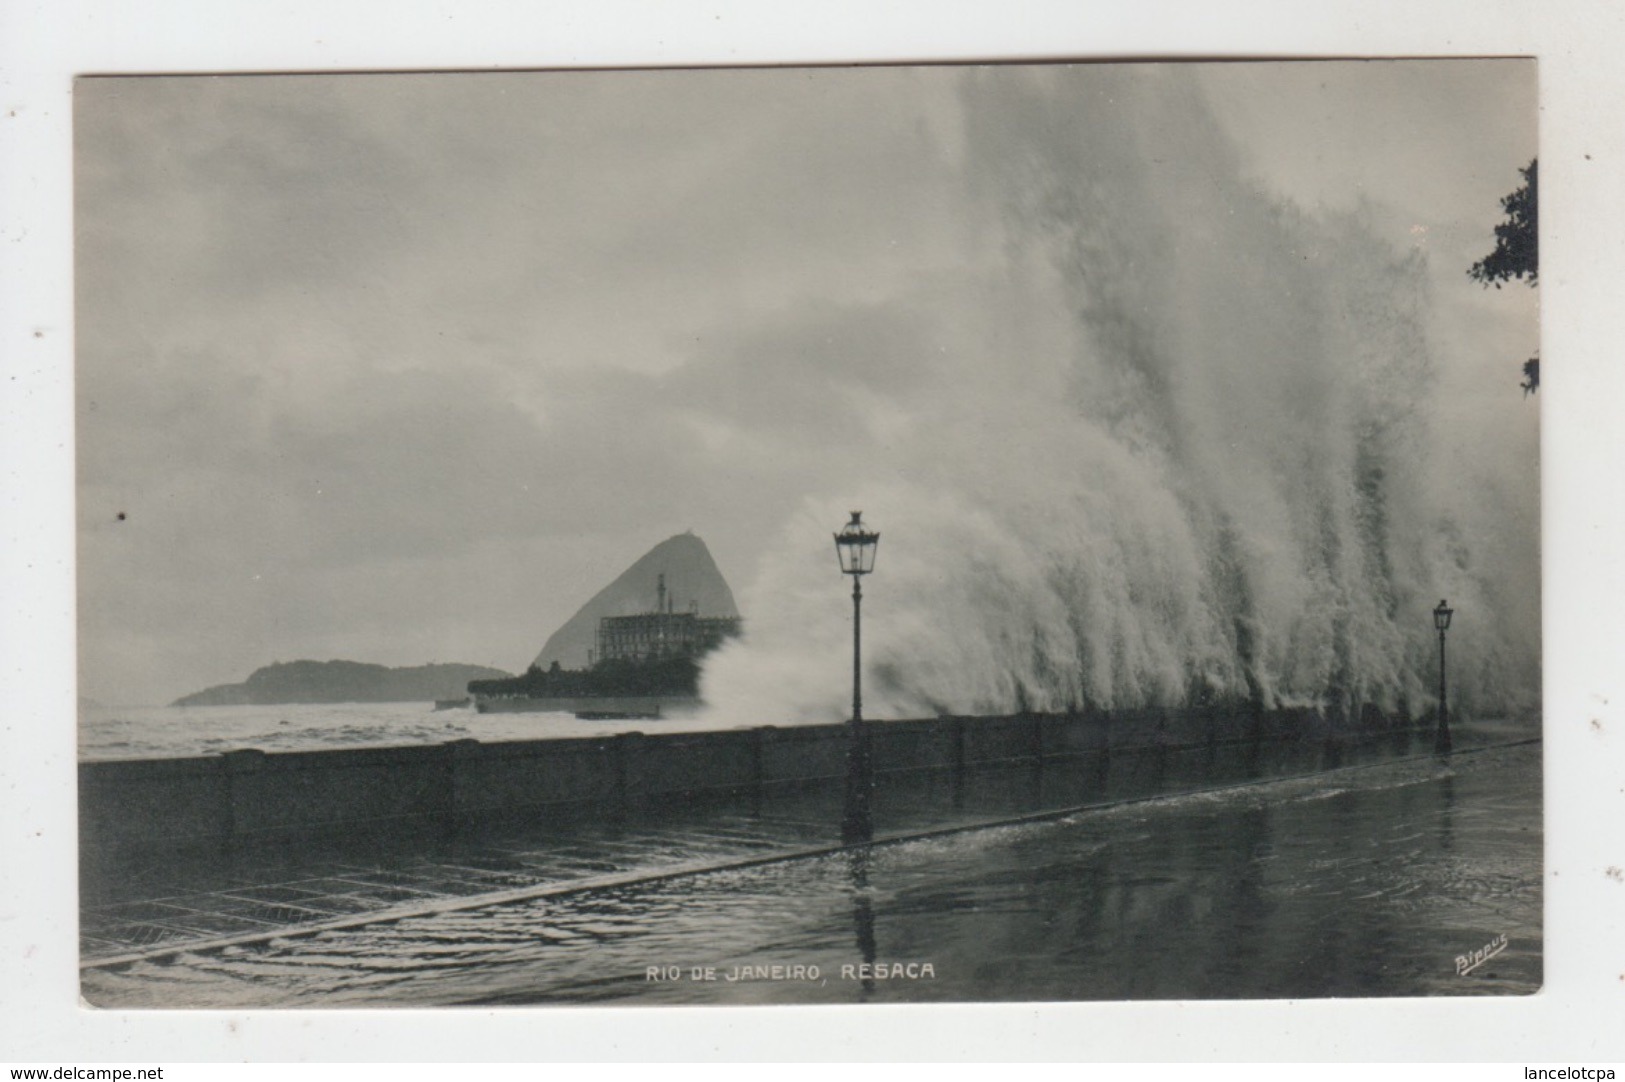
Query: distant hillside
[[344, 682], [692, 581]]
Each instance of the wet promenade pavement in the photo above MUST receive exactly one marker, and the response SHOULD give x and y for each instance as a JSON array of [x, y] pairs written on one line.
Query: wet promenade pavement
[[198, 905], [154, 909]]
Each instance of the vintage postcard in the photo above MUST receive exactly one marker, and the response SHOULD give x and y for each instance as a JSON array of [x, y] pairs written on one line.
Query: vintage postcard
[[893, 534]]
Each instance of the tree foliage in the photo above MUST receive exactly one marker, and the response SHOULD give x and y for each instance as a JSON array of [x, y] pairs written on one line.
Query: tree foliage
[[1517, 240], [1517, 252]]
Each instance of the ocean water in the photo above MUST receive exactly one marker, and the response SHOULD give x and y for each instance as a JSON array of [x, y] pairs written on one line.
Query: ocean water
[[146, 732]]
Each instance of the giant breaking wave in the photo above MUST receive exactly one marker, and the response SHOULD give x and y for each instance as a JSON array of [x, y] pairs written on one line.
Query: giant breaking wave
[[1175, 440]]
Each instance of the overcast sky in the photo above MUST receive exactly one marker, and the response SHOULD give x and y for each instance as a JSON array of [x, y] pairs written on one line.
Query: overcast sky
[[405, 368]]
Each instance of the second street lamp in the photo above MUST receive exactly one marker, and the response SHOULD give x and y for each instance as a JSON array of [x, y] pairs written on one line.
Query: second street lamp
[[855, 547], [1441, 739]]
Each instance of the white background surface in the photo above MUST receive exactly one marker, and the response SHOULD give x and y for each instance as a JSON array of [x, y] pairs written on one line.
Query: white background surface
[[1576, 1019]]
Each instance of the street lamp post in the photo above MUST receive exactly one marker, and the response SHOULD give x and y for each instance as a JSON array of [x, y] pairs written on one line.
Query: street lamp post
[[855, 547], [1441, 740]]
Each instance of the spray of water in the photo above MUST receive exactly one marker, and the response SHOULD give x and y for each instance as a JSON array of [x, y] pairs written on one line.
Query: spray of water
[[1176, 443]]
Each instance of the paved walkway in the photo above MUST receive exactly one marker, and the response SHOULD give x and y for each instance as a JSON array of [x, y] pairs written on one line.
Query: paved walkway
[[204, 906]]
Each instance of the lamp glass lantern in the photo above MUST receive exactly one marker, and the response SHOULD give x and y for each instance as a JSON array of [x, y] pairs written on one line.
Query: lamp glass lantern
[[855, 546], [1441, 617]]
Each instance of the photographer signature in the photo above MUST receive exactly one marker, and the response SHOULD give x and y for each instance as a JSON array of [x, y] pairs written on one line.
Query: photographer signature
[[1466, 963]]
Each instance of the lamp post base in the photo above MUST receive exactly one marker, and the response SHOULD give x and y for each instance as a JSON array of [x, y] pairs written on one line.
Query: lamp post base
[[857, 820], [1441, 738]]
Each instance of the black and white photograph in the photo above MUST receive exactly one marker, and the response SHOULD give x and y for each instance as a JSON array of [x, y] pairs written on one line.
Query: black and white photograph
[[809, 535]]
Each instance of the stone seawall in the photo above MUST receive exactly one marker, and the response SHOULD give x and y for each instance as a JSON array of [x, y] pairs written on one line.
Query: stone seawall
[[241, 798]]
